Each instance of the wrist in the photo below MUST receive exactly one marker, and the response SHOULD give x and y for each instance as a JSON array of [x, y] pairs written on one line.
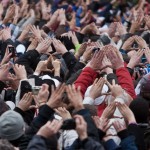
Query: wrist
[[5, 20], [63, 52], [20, 107], [77, 55], [130, 65], [21, 38], [108, 70], [39, 50], [124, 48], [63, 22], [83, 60], [42, 103], [79, 107], [120, 66], [57, 69], [51, 105], [22, 78], [131, 121], [37, 72], [83, 136], [92, 96], [57, 73]]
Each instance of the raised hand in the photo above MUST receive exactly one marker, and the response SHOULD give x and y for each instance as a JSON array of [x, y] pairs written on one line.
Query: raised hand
[[60, 48], [96, 61], [114, 56], [147, 21], [9, 14], [45, 10], [90, 28], [33, 45], [50, 128], [56, 64], [63, 112], [25, 103], [126, 112], [4, 72], [106, 65], [119, 126], [121, 29], [75, 96], [55, 99], [87, 55], [6, 57], [135, 59], [137, 21], [36, 32], [109, 111], [54, 20], [62, 17], [141, 42], [96, 89], [42, 66], [128, 43], [81, 50], [24, 33], [147, 54], [16, 17], [101, 123], [73, 36], [115, 89], [42, 96], [6, 34], [43, 46], [112, 29], [81, 127], [20, 72]]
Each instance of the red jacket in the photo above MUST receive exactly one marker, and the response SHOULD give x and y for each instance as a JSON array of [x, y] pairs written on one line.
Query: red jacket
[[125, 81], [88, 75], [86, 78]]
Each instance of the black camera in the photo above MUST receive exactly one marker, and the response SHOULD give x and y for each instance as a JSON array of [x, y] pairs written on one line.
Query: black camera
[[68, 124]]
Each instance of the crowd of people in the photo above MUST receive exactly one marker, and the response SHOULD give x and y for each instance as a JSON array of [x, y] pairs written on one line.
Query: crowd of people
[[74, 75]]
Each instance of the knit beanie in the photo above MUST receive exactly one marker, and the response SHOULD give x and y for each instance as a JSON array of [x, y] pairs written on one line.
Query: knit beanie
[[140, 109], [143, 87], [11, 125]]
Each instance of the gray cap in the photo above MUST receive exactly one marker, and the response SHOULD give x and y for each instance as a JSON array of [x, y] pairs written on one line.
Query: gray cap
[[11, 125]]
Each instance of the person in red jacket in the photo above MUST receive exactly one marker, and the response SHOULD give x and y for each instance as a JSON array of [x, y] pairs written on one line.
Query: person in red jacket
[[89, 73]]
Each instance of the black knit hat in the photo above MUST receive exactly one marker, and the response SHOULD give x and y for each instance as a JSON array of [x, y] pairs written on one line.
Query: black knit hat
[[140, 108], [145, 87]]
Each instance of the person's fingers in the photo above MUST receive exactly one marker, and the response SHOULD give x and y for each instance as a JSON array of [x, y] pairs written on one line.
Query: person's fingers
[[58, 125], [113, 82], [107, 124], [79, 89], [33, 107], [109, 85], [52, 89], [77, 120], [44, 87], [73, 88], [29, 97], [140, 52], [95, 81], [24, 96], [62, 89], [57, 111], [95, 121], [101, 82]]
